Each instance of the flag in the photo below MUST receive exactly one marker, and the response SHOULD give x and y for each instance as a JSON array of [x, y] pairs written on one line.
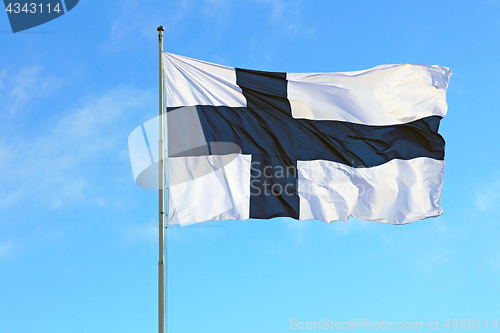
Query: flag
[[252, 144]]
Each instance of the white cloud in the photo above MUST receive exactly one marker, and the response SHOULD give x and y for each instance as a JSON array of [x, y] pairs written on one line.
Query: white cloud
[[137, 20], [288, 15], [299, 230], [3, 75], [63, 162], [5, 248], [133, 20], [18, 90], [216, 8], [296, 230], [487, 197], [278, 7], [137, 233], [431, 259]]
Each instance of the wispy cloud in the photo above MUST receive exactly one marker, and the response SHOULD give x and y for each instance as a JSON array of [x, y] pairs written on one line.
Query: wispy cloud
[[487, 196], [288, 15], [216, 8], [3, 75], [284, 20], [19, 89], [136, 20], [298, 230], [140, 233], [5, 249], [63, 162], [133, 20]]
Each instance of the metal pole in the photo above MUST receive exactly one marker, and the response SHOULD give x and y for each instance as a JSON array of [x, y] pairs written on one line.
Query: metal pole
[[161, 215]]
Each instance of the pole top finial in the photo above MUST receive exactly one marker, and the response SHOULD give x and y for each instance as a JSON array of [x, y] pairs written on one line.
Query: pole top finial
[[160, 28]]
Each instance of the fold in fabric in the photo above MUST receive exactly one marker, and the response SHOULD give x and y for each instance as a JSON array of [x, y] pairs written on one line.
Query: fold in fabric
[[383, 95], [396, 192], [209, 188]]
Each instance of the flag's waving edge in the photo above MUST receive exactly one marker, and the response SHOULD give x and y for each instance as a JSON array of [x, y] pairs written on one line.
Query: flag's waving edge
[[249, 144], [384, 95], [394, 192]]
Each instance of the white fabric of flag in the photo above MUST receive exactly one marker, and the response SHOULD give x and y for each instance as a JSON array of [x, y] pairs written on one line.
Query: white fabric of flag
[[251, 144]]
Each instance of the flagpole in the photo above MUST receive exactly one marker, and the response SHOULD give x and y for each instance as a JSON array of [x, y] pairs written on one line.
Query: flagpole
[[161, 192]]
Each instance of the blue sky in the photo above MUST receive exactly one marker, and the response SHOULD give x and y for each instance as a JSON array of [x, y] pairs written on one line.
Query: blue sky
[[78, 242]]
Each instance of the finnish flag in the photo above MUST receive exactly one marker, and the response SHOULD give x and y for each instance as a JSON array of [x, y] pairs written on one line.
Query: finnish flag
[[250, 144]]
